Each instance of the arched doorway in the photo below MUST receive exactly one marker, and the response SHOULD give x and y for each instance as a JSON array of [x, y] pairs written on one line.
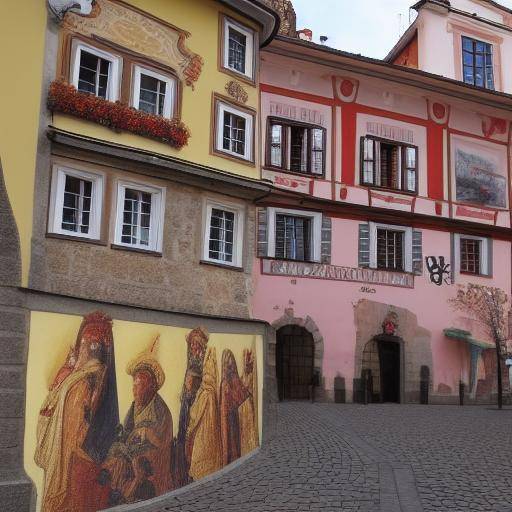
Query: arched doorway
[[381, 369], [295, 358]]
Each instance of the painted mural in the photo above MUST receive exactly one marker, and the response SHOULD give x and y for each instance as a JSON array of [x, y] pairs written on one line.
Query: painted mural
[[129, 411], [478, 180]]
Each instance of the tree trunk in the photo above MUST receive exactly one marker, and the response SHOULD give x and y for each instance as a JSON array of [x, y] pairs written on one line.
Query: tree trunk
[[498, 374]]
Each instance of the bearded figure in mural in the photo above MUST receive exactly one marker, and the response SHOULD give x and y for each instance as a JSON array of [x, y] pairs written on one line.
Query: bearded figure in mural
[[233, 394], [197, 341], [138, 465], [77, 422], [203, 445], [248, 412]]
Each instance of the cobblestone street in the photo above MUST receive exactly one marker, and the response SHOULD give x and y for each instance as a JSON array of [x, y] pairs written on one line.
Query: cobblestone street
[[376, 458]]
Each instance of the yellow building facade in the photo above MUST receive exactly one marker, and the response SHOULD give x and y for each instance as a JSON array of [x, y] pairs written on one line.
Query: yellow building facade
[[130, 166]]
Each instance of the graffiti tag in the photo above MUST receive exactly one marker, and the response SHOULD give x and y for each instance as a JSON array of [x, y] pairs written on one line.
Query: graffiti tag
[[367, 289], [439, 271]]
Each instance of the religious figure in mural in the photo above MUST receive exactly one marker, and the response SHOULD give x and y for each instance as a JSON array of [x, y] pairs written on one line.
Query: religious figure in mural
[[204, 447], [248, 417], [197, 341], [138, 465], [233, 394], [77, 422]]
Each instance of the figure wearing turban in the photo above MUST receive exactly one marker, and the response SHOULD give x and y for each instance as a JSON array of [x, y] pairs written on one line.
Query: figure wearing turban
[[138, 465], [77, 422], [204, 447]]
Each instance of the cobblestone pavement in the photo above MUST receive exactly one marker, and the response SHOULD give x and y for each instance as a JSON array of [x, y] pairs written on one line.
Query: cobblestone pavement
[[377, 458]]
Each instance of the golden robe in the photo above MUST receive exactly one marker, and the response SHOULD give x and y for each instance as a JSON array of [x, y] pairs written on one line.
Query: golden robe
[[203, 434], [248, 413], [62, 428]]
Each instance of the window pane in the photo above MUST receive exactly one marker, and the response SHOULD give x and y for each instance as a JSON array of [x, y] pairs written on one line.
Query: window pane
[[237, 50], [470, 255], [220, 246], [234, 133], [410, 155], [477, 63], [276, 148], [467, 44], [298, 149], [152, 95], [390, 247], [76, 205], [136, 217], [411, 180], [293, 236], [93, 74]]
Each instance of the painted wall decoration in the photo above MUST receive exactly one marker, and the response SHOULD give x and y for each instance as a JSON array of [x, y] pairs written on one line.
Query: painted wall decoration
[[119, 412], [439, 272], [478, 180]]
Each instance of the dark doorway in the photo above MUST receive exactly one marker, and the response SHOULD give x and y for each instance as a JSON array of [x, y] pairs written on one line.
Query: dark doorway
[[389, 357], [295, 359]]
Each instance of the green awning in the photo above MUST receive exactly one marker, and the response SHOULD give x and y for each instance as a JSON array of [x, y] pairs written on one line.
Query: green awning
[[460, 334]]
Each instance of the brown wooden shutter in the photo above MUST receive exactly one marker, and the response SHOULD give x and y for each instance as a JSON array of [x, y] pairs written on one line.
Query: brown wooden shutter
[[326, 240], [262, 249]]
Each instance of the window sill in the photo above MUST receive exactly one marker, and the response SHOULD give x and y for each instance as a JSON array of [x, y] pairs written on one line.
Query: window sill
[[230, 156], [240, 76], [148, 252], [294, 173], [472, 274], [75, 238], [313, 262], [385, 189], [221, 265]]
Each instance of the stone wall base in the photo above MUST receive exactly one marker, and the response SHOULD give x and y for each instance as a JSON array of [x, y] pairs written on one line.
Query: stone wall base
[[17, 495]]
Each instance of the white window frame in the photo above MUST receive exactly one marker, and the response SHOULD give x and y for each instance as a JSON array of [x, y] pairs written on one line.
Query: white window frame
[[407, 257], [170, 94], [57, 201], [222, 108], [156, 217], [238, 231], [250, 57], [484, 253], [114, 75], [316, 231]]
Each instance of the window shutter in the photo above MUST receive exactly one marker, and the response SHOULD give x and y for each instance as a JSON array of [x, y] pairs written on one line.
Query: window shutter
[[417, 252], [326, 240], [262, 233], [280, 236], [489, 268], [453, 258], [364, 245]]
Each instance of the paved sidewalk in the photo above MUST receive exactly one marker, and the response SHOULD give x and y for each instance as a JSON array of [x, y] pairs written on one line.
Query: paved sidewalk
[[377, 458]]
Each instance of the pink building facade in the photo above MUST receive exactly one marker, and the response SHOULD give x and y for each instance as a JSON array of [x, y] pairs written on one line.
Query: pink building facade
[[394, 188]]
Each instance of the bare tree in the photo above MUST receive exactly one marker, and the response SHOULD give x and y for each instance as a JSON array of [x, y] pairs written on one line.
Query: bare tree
[[486, 305]]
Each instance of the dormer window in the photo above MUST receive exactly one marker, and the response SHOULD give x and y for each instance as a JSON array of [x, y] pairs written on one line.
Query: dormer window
[[477, 63], [239, 43]]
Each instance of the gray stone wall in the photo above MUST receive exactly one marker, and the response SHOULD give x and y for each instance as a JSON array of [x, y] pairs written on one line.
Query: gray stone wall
[[176, 281]]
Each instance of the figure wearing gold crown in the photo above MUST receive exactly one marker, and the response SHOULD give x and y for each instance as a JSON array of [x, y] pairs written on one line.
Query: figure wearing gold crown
[[138, 465]]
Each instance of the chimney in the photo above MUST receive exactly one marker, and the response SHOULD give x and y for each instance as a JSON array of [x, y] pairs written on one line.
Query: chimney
[[287, 14]]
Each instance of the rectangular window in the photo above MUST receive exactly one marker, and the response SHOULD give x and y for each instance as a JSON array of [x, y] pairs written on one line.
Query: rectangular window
[[477, 63], [139, 216], [223, 240], [296, 147], [153, 92], [390, 249], [470, 255], [239, 48], [76, 203], [293, 237], [234, 129], [95, 72], [389, 165]]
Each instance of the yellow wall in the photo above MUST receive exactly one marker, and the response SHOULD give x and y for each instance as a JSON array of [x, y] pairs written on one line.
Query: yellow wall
[[201, 19], [52, 334], [22, 34]]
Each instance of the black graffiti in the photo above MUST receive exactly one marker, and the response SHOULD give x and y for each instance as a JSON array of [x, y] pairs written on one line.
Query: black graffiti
[[438, 270], [367, 289]]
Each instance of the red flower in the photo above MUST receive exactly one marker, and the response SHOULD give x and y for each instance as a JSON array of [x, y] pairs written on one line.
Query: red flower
[[64, 98]]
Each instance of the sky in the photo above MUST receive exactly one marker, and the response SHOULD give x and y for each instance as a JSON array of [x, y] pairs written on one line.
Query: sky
[[368, 27]]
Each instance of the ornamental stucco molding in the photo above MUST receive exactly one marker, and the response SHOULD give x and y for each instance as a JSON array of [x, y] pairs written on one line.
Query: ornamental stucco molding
[[59, 8], [132, 29]]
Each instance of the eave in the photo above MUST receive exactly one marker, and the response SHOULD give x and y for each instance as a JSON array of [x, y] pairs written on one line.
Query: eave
[[348, 62], [264, 16]]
